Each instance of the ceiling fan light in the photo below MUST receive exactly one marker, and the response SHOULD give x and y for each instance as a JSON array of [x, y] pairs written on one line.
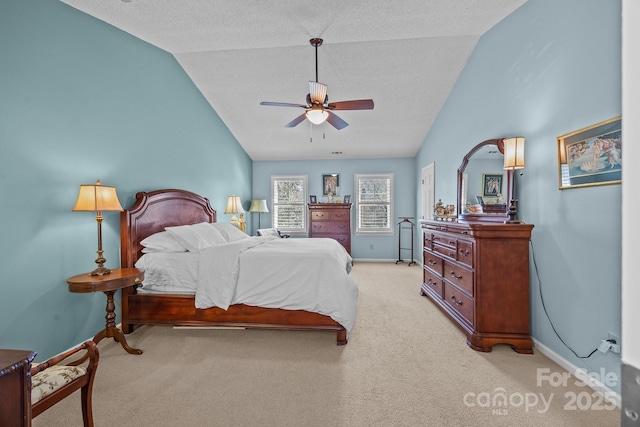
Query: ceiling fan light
[[317, 115]]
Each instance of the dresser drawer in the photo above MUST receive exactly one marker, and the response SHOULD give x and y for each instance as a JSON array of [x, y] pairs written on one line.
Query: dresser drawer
[[340, 215], [343, 239], [427, 240], [464, 253], [446, 251], [433, 262], [459, 276], [444, 239], [330, 227], [460, 302], [433, 282], [318, 215]]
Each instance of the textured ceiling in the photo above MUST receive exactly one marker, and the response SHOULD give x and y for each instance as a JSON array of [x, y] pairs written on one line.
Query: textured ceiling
[[405, 55]]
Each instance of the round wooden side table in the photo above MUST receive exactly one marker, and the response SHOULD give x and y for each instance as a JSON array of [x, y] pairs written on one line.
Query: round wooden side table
[[109, 284]]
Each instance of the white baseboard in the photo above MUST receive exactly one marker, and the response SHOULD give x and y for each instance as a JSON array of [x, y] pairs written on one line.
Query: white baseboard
[[597, 386]]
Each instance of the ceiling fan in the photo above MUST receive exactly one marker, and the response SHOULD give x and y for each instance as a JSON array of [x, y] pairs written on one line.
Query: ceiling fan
[[318, 108]]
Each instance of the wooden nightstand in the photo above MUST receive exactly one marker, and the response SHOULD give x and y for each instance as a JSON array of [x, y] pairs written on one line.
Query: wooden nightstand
[[109, 284]]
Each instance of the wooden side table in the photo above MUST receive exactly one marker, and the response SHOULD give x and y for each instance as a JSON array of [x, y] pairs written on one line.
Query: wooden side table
[[109, 284], [15, 383]]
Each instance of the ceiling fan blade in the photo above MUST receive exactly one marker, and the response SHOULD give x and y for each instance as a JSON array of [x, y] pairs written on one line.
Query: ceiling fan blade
[[360, 104], [282, 104], [317, 92], [336, 121], [296, 121]]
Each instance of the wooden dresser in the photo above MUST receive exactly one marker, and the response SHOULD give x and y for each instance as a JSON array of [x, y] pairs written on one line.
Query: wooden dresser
[[478, 274], [15, 384], [331, 220]]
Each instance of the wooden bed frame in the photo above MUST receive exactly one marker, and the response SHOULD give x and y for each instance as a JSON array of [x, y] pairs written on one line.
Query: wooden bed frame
[[151, 213]]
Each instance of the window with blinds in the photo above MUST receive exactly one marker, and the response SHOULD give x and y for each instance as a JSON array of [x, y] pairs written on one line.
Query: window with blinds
[[289, 195], [374, 203]]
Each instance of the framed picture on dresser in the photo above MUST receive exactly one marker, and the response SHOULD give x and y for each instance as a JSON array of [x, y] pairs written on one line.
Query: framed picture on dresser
[[347, 198], [313, 199]]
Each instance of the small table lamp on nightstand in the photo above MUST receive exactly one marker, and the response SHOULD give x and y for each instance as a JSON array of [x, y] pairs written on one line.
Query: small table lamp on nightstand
[[234, 206], [98, 198], [258, 205]]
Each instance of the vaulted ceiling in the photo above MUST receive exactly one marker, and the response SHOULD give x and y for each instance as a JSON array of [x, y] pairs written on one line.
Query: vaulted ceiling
[[405, 55]]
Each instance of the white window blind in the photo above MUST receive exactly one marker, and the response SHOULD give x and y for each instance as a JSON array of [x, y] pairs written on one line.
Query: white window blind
[[289, 195], [374, 203]]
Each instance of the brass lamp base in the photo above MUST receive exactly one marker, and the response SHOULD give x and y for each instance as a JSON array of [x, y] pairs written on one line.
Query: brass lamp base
[[100, 271], [513, 213]]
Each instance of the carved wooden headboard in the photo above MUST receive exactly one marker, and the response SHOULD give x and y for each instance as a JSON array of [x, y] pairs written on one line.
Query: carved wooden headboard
[[155, 210]]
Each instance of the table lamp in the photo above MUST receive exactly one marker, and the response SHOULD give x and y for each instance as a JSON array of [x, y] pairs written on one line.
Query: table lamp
[[513, 159], [234, 206], [98, 198], [258, 205]]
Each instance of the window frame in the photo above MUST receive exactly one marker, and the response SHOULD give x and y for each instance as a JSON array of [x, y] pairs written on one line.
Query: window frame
[[305, 222], [390, 231]]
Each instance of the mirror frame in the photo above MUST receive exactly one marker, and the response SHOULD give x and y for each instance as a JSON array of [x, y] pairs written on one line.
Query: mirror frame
[[483, 217]]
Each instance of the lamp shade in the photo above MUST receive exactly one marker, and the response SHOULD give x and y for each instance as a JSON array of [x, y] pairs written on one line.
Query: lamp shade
[[234, 205], [514, 153], [258, 205], [97, 198]]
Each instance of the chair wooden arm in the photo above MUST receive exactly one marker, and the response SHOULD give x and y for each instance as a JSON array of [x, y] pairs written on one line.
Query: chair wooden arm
[[92, 355], [83, 382]]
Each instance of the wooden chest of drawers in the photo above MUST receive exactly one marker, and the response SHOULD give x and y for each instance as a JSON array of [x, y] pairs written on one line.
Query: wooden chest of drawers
[[478, 274], [332, 220], [15, 384]]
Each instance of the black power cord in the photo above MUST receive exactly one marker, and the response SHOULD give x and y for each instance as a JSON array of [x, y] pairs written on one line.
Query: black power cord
[[544, 307]]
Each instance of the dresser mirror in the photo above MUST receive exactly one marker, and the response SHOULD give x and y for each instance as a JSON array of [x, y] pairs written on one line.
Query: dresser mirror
[[484, 187]]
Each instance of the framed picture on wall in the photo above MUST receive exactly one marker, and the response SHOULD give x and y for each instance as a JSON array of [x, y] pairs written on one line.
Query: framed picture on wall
[[331, 184], [492, 185], [591, 156]]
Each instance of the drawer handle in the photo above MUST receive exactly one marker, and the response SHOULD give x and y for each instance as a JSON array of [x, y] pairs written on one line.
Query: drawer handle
[[453, 274], [452, 242], [453, 297], [432, 262], [464, 253], [452, 254]]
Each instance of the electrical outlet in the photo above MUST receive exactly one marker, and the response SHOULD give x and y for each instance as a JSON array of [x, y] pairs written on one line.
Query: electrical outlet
[[613, 337]]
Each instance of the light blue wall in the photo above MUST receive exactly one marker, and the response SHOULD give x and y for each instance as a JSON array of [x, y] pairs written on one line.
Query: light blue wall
[[80, 101], [384, 247], [548, 69]]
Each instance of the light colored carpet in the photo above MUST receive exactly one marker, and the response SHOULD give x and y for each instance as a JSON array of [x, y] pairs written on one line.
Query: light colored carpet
[[406, 364]]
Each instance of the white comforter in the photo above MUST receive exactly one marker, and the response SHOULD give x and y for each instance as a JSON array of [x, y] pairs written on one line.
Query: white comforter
[[295, 274]]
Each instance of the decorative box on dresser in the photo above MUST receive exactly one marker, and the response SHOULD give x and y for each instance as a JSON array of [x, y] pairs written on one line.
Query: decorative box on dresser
[[478, 274], [332, 220]]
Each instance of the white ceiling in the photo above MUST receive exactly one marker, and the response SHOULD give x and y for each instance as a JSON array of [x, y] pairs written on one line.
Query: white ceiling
[[405, 55]]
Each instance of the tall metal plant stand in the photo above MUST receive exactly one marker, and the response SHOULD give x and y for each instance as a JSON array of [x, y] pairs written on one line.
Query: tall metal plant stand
[[405, 224]]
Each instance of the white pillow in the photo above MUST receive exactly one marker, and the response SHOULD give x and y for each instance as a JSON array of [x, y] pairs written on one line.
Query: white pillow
[[268, 232], [230, 232], [162, 241], [196, 237], [210, 235]]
